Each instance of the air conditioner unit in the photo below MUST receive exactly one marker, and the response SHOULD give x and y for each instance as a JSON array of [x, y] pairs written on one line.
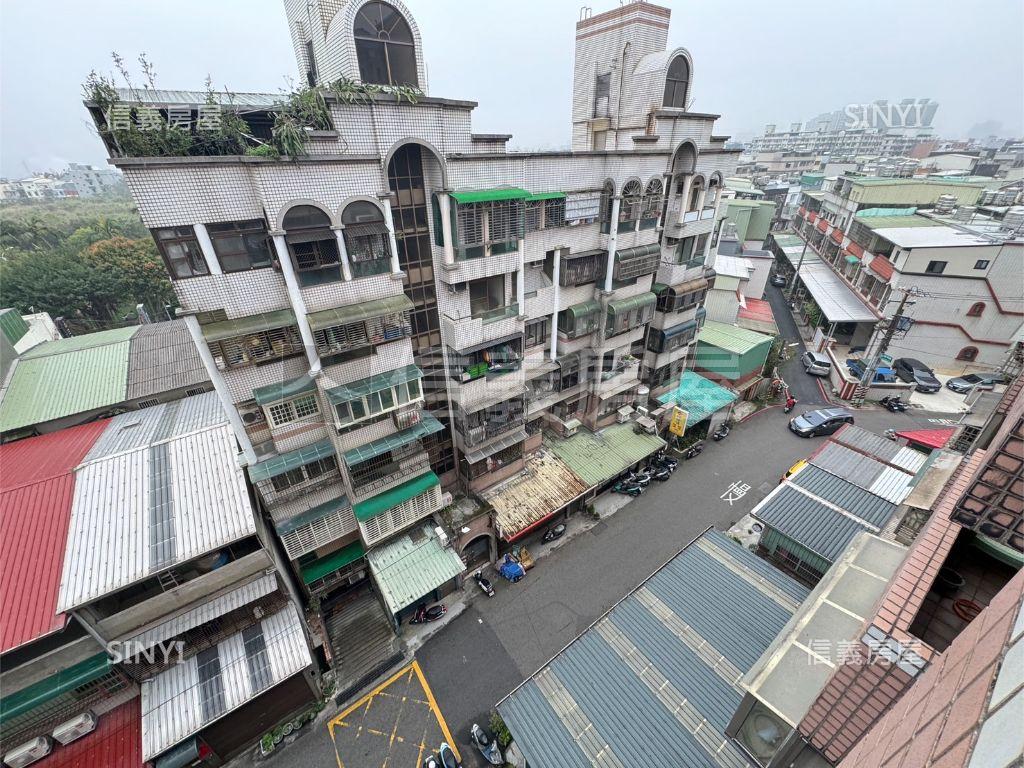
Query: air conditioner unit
[[355, 578], [28, 753], [252, 415], [446, 499], [75, 728], [623, 414], [441, 536]]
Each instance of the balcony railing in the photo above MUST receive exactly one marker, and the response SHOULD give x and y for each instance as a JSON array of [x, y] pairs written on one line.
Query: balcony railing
[[400, 471], [499, 313], [476, 435]]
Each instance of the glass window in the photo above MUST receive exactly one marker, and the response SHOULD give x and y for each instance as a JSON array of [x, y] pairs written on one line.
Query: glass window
[[981, 264], [313, 245], [486, 294], [385, 48], [240, 245], [181, 252], [677, 82], [936, 267]]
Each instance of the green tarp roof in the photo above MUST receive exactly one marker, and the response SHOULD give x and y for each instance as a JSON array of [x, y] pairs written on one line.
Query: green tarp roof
[[332, 562], [362, 311], [392, 497], [284, 462], [698, 396], [312, 515], [633, 302], [545, 196], [427, 425], [243, 326], [490, 195], [274, 392], [731, 338], [584, 309], [53, 686], [596, 457], [355, 389], [12, 325]]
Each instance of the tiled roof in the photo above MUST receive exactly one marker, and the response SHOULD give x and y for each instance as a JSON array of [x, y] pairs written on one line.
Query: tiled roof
[[881, 266], [116, 742], [36, 491], [599, 456], [698, 396]]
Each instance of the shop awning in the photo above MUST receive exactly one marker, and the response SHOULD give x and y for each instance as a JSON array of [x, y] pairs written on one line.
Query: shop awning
[[275, 392], [822, 225], [355, 389], [411, 566], [427, 425], [243, 326], [882, 267], [382, 502], [689, 286], [284, 462], [837, 235], [49, 688], [545, 196], [472, 457], [330, 563], [490, 195], [352, 313]]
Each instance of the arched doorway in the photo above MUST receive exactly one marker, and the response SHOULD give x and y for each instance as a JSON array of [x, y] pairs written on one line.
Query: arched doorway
[[478, 552]]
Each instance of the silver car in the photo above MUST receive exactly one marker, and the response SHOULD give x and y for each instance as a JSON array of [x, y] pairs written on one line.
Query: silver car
[[816, 364]]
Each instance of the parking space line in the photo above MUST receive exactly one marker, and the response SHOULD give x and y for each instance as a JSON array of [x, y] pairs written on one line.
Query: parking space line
[[436, 710]]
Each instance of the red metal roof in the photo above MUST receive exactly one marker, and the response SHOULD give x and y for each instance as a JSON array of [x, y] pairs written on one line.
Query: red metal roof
[[855, 249], [822, 225], [36, 490], [116, 742], [929, 438], [811, 216], [881, 266], [757, 309], [837, 235]]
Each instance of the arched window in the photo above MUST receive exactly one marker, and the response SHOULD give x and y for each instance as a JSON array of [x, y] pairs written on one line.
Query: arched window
[[366, 239], [695, 189], [677, 83], [385, 46], [976, 309], [632, 200], [711, 198], [607, 193], [312, 244], [653, 199], [967, 354]]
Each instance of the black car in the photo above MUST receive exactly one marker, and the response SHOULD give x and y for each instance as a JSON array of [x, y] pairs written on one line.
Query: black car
[[778, 280], [914, 371], [964, 384], [821, 422]]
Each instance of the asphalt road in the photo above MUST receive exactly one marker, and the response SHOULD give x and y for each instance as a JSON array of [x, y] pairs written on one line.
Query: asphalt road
[[805, 388]]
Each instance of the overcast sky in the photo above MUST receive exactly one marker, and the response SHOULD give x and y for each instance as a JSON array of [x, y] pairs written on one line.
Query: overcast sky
[[755, 62]]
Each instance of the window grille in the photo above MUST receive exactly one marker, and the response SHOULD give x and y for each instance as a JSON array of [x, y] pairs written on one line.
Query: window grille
[[653, 199], [385, 524], [318, 533], [256, 348], [582, 207], [632, 201], [480, 224]]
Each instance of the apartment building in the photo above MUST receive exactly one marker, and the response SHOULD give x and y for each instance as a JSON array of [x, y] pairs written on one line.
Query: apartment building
[[405, 308]]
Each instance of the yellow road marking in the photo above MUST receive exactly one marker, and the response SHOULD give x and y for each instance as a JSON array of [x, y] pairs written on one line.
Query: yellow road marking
[[436, 710]]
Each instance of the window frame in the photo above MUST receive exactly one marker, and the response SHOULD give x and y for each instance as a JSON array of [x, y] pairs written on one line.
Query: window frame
[[967, 354], [941, 267], [982, 263], [400, 395], [184, 237], [487, 283], [242, 230], [290, 410], [363, 48], [977, 309], [675, 85]]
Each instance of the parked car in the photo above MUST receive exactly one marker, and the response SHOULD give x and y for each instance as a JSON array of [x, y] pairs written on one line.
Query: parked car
[[778, 280], [883, 375], [821, 422], [914, 371], [966, 383], [816, 364]]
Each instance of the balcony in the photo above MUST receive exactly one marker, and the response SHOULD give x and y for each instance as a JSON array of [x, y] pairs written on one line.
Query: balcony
[[621, 376], [467, 331], [390, 474], [632, 263], [475, 436]]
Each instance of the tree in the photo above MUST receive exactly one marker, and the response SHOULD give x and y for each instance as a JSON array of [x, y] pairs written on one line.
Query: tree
[[131, 271]]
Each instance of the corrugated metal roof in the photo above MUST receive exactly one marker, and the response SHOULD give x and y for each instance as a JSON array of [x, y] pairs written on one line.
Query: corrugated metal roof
[[599, 456], [162, 358], [411, 566], [171, 702], [670, 655], [66, 377], [810, 523], [837, 301], [163, 96], [888, 482], [698, 396], [929, 438], [854, 499], [887, 450], [116, 742], [144, 510], [731, 338], [36, 491]]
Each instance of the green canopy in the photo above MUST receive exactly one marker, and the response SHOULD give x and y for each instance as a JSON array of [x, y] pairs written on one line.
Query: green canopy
[[243, 326], [352, 313], [392, 497], [584, 309], [545, 196], [356, 389], [285, 462], [490, 195], [332, 562], [49, 688], [633, 302], [427, 425], [272, 393]]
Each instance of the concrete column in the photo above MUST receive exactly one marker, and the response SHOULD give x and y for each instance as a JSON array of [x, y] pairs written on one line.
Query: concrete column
[[445, 204], [206, 244], [221, 388], [684, 197], [521, 282], [701, 198], [291, 282], [346, 268], [707, 249], [613, 237], [556, 272], [389, 220]]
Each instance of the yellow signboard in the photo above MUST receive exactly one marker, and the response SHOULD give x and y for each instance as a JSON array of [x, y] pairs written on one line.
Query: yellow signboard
[[678, 424]]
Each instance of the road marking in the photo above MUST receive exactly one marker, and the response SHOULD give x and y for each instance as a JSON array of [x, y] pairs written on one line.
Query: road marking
[[436, 710]]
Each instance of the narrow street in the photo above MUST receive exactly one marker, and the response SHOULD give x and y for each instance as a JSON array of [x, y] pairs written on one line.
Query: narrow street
[[805, 388]]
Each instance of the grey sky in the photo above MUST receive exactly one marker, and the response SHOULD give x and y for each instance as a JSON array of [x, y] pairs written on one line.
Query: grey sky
[[755, 62]]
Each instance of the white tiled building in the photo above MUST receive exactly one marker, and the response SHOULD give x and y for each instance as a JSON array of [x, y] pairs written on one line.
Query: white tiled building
[[404, 306]]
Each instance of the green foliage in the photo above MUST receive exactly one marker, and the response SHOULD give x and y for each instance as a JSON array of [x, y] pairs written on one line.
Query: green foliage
[[351, 92], [500, 730], [813, 313], [263, 150]]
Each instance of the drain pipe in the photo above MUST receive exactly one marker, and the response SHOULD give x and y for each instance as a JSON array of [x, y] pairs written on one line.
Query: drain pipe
[[298, 303]]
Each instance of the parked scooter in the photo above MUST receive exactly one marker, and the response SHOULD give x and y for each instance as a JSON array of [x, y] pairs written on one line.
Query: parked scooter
[[694, 450], [722, 432], [661, 474], [484, 584], [554, 532], [628, 488], [663, 460], [488, 747], [642, 478], [893, 404], [447, 757], [430, 761], [426, 615]]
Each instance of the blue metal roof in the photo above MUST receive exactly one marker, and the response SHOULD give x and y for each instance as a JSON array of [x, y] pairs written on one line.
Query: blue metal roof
[[637, 685], [854, 499]]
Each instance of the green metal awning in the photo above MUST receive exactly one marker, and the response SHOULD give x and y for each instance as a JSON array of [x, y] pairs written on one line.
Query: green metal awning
[[355, 389], [363, 311], [332, 562], [669, 333], [318, 512], [411, 566], [427, 425], [284, 462], [382, 502], [243, 326], [545, 196], [275, 392], [633, 302], [658, 288], [584, 309], [490, 195], [53, 686], [639, 251]]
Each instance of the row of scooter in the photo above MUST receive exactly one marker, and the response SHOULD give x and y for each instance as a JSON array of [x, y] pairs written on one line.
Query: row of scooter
[[483, 741], [660, 468]]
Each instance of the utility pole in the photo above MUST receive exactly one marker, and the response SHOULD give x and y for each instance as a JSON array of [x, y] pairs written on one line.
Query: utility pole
[[869, 372]]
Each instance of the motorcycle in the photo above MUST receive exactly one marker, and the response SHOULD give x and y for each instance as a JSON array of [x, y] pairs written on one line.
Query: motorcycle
[[484, 584], [488, 747], [554, 532], [893, 404], [642, 478], [426, 615], [430, 761], [447, 757], [693, 450], [790, 405], [628, 488], [661, 460], [722, 432], [661, 474]]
